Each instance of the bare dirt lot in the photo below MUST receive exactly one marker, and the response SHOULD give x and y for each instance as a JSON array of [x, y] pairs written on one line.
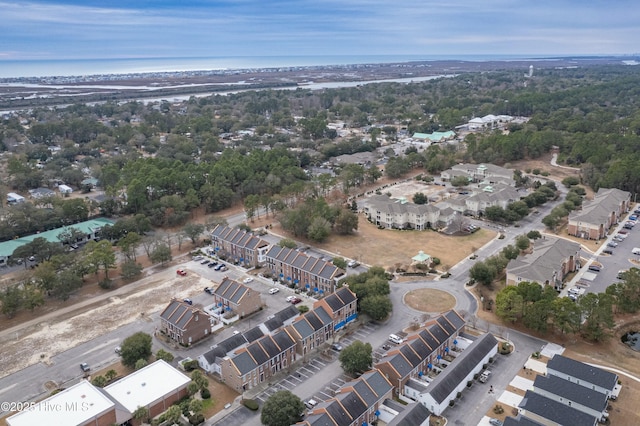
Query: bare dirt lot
[[430, 300]]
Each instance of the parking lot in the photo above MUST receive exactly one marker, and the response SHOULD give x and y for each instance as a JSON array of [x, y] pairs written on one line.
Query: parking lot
[[614, 255]]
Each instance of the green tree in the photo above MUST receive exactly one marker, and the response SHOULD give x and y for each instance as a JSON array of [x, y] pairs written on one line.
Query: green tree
[[420, 198], [135, 347], [193, 231], [534, 235], [101, 254], [356, 358], [140, 364], [597, 311], [522, 242], [378, 307], [346, 222], [161, 254], [340, 262], [99, 381], [141, 413], [68, 281], [12, 300], [509, 304], [319, 229], [173, 414], [110, 375], [566, 315], [459, 181], [483, 273], [129, 243], [199, 379], [164, 355], [130, 269], [281, 409], [288, 243]]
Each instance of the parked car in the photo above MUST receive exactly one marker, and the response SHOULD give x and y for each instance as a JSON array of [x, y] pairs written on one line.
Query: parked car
[[310, 403], [607, 251], [393, 338], [219, 267], [181, 272], [495, 422], [204, 262], [197, 258], [612, 244], [118, 349], [290, 298], [623, 232], [594, 268], [212, 264], [208, 290], [273, 290], [295, 301], [633, 217], [337, 347], [188, 301], [247, 280], [85, 367], [484, 376], [353, 264]]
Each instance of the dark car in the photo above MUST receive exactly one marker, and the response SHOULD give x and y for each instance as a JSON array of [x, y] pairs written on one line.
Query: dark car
[[212, 264], [208, 290], [188, 301], [607, 251], [594, 268], [85, 367]]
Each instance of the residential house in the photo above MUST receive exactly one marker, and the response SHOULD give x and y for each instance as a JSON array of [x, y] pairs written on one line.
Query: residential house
[[411, 414], [342, 305], [551, 412], [595, 217], [311, 330], [257, 362], [238, 245], [280, 319], [232, 296], [304, 271], [582, 374], [13, 198], [65, 189], [184, 323], [580, 397], [488, 174], [437, 393], [40, 193], [549, 263], [211, 360], [92, 407], [421, 350], [355, 403]]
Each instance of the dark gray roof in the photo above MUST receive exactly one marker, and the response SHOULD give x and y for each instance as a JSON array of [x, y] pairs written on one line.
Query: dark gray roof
[[377, 382], [341, 298], [321, 419], [238, 237], [253, 334], [279, 318], [571, 392], [583, 372], [399, 363], [244, 362], [413, 414], [258, 353], [555, 411], [420, 348], [419, 386], [445, 382], [283, 340], [224, 347], [410, 355], [180, 314], [337, 412], [454, 319], [306, 263], [303, 328], [520, 421], [352, 403], [231, 290]]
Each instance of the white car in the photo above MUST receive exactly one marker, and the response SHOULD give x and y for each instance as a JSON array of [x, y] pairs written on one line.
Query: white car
[[353, 264], [273, 290], [290, 298], [247, 280]]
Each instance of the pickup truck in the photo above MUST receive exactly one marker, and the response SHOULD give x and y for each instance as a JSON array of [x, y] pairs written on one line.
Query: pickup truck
[[484, 376]]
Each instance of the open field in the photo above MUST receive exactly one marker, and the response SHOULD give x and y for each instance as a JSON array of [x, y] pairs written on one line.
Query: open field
[[430, 300]]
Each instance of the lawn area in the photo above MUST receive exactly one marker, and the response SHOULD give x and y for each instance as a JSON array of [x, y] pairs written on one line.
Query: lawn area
[[388, 247], [430, 300]]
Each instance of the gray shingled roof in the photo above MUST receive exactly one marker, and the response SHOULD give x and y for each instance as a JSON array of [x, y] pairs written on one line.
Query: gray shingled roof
[[238, 237], [304, 262], [253, 334], [555, 411], [321, 419], [411, 415], [585, 372], [279, 318], [520, 420], [180, 314], [547, 258], [244, 362], [571, 392], [445, 382]]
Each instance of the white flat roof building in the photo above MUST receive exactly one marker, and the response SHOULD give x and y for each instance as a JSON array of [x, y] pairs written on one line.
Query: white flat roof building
[[81, 404], [147, 386]]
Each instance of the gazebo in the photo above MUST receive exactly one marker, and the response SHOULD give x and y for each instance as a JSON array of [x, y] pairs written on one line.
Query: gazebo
[[421, 257]]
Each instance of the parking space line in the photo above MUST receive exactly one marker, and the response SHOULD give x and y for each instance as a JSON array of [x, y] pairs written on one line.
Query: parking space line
[[326, 396], [310, 372], [291, 383], [320, 362]]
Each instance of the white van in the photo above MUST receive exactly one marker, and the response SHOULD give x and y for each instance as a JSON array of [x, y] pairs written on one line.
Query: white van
[[636, 250], [395, 339]]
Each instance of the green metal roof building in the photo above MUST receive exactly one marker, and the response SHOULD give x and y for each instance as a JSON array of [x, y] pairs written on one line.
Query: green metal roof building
[[89, 228]]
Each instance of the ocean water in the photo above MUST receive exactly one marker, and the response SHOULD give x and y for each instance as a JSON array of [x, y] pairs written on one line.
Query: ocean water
[[86, 67]]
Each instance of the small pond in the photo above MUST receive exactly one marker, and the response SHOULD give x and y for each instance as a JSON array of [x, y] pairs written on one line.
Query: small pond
[[632, 339]]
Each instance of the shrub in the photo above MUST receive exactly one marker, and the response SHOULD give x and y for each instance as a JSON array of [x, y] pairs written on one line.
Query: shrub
[[196, 419], [498, 409], [436, 260], [190, 365], [250, 404], [452, 403], [469, 383], [205, 394]]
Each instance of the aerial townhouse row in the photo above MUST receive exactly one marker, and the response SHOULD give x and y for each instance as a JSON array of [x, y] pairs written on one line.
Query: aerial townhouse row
[[288, 265], [251, 358], [571, 393]]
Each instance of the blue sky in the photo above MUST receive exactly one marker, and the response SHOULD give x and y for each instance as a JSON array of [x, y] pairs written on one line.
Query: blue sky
[[165, 28]]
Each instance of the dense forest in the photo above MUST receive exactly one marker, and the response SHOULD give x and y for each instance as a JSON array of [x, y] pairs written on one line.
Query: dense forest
[[165, 159]]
